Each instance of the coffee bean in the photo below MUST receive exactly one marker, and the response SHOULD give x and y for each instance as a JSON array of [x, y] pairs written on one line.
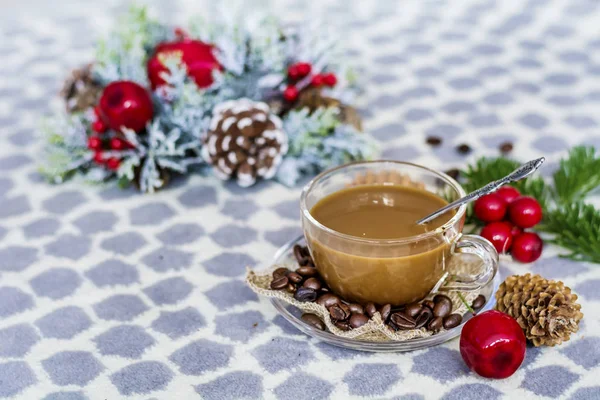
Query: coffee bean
[[313, 320], [506, 147], [358, 320], [402, 321], [299, 254], [464, 149], [339, 312], [279, 283], [307, 271], [385, 311], [452, 321], [370, 309], [356, 308], [291, 288], [294, 277], [305, 294], [453, 173], [478, 302], [423, 318], [442, 309], [412, 310], [328, 299], [441, 297], [341, 325], [312, 283], [434, 141], [280, 272], [429, 304], [435, 324]]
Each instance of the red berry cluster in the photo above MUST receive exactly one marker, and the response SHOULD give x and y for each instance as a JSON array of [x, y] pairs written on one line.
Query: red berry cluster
[[301, 70], [506, 214], [99, 143]]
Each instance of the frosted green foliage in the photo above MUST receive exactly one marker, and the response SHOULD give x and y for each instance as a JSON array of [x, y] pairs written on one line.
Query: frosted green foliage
[[123, 54], [318, 141]]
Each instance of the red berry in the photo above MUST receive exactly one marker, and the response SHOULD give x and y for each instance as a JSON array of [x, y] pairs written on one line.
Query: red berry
[[317, 80], [293, 72], [126, 104], [499, 234], [303, 69], [99, 158], [508, 193], [527, 247], [525, 212], [117, 144], [514, 230], [329, 79], [493, 345], [94, 143], [99, 126], [490, 208], [113, 163], [290, 93]]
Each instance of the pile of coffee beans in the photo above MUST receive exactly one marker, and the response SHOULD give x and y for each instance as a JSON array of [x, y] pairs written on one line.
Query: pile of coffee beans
[[307, 286]]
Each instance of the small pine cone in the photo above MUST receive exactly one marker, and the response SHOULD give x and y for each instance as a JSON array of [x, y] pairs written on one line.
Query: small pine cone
[[546, 310], [80, 90], [245, 141], [313, 98]]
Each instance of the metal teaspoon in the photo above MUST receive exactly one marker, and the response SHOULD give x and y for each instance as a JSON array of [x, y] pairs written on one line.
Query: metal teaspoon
[[522, 172]]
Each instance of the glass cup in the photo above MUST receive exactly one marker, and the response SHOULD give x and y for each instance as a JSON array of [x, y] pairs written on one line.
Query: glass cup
[[394, 271]]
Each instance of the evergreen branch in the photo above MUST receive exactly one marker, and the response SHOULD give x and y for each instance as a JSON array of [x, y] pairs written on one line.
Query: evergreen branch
[[577, 176], [576, 227]]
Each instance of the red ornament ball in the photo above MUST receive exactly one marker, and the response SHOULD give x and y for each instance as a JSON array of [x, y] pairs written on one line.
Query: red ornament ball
[[508, 193], [303, 69], [499, 233], [527, 247], [490, 208], [317, 80], [493, 345], [94, 143], [125, 104], [98, 126], [330, 79], [525, 212], [99, 157], [197, 56], [290, 93], [113, 163], [118, 144]]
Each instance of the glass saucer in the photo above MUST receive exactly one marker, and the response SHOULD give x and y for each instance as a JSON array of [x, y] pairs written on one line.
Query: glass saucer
[[285, 255]]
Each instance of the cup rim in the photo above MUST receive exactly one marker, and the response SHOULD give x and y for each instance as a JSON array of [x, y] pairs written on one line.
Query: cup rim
[[451, 222]]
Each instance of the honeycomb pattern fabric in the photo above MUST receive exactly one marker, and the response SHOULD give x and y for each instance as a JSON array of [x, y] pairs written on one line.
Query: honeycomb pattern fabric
[[109, 294]]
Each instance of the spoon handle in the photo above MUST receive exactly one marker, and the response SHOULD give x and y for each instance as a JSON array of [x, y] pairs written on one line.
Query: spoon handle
[[522, 172]]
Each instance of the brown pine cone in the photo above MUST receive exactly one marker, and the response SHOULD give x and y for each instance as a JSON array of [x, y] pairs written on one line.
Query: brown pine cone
[[80, 90], [546, 310], [245, 141], [313, 98]]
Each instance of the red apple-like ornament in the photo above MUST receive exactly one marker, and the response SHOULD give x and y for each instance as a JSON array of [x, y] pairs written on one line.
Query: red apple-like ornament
[[125, 104], [492, 344], [197, 56]]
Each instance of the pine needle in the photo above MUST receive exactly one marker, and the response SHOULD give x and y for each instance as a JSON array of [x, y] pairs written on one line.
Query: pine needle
[[577, 176]]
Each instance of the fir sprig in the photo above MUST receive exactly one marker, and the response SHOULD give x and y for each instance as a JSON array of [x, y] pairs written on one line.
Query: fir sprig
[[570, 222]]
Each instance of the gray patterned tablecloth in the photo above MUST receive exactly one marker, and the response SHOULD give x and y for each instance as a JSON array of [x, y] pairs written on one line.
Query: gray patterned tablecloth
[[106, 293]]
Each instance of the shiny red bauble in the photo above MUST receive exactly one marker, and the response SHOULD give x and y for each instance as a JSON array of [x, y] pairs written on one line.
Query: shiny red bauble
[[508, 193], [492, 344], [197, 56], [490, 208], [125, 104], [317, 80], [527, 247], [94, 143], [329, 79], [499, 233], [290, 93], [113, 163], [525, 212]]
